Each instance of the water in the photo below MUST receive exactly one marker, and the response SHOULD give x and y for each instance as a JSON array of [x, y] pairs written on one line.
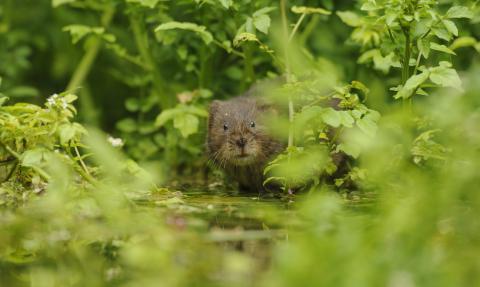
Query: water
[[224, 214]]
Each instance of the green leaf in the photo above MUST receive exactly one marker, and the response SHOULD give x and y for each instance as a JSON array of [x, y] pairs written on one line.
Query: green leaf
[[441, 48], [132, 104], [165, 116], [424, 47], [66, 132], [198, 29], [309, 10], [411, 85], [350, 18], [249, 27], [187, 124], [273, 179], [459, 12], [226, 3], [145, 3], [384, 63], [263, 11], [444, 76], [360, 86], [421, 92], [244, 37], [350, 148], [415, 81], [373, 115], [127, 125], [451, 27], [371, 5], [463, 42], [368, 56], [56, 3], [69, 98], [331, 117], [262, 23], [346, 119], [367, 126], [33, 157], [390, 17], [198, 111], [3, 100], [442, 33], [78, 32]]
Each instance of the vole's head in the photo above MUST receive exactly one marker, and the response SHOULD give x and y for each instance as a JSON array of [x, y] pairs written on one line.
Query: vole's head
[[236, 135]]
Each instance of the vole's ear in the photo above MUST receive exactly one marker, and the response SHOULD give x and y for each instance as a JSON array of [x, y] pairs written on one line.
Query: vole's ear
[[267, 107], [262, 106], [215, 106], [268, 110], [213, 110]]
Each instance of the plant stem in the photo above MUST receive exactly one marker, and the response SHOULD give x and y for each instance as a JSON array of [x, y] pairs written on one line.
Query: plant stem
[[249, 70], [309, 28], [7, 161], [419, 57], [40, 171], [406, 59], [291, 111], [406, 64], [390, 34], [82, 163], [90, 179], [231, 50], [141, 40], [82, 169], [12, 171], [296, 27], [88, 59]]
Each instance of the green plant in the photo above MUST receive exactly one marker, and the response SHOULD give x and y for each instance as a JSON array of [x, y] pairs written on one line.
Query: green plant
[[31, 135], [75, 210], [413, 36], [324, 134]]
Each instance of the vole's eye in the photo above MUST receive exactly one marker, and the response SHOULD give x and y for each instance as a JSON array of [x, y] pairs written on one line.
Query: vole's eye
[[225, 127], [252, 124]]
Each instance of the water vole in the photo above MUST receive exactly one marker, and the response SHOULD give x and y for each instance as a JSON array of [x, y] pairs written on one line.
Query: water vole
[[238, 140]]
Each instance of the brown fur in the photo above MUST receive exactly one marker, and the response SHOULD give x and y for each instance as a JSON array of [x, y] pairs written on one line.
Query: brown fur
[[243, 149]]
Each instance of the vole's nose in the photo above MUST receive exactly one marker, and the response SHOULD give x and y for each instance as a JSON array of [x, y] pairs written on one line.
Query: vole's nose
[[241, 142]]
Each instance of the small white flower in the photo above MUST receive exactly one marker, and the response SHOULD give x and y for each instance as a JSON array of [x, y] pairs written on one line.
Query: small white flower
[[52, 99], [64, 104], [115, 142]]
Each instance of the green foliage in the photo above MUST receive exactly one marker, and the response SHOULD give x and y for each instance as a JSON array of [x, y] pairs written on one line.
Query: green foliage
[[322, 130], [363, 176], [200, 30], [32, 136], [186, 118], [402, 34]]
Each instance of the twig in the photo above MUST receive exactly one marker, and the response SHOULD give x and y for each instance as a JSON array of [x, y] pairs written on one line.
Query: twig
[[231, 50], [82, 163], [296, 27]]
